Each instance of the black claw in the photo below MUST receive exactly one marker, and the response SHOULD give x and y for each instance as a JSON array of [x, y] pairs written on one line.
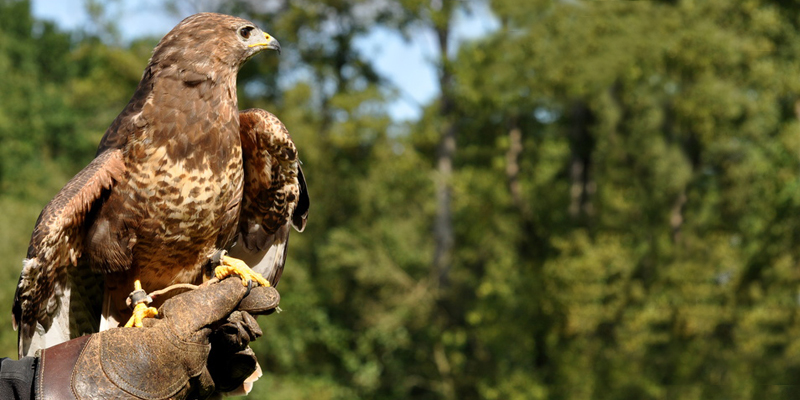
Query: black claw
[[250, 286]]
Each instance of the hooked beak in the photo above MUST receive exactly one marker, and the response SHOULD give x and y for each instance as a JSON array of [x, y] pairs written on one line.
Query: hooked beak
[[269, 42]]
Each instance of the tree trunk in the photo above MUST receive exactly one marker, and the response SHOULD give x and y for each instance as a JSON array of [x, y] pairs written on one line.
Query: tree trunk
[[445, 152], [582, 144], [444, 236]]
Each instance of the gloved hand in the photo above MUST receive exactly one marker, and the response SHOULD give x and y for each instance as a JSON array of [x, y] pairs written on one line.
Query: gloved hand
[[231, 361], [169, 357]]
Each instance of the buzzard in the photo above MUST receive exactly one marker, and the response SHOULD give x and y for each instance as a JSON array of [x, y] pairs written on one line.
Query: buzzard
[[180, 176]]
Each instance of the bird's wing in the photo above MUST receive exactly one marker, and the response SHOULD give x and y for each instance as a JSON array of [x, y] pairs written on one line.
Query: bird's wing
[[275, 194], [51, 270], [131, 119]]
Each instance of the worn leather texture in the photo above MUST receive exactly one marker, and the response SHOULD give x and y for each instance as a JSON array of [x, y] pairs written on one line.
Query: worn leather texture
[[169, 357], [56, 366]]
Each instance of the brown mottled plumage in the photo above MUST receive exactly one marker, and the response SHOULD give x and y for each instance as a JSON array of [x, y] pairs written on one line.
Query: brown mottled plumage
[[175, 174]]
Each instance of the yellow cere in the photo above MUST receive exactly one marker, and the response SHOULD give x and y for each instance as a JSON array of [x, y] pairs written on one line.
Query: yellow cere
[[266, 36]]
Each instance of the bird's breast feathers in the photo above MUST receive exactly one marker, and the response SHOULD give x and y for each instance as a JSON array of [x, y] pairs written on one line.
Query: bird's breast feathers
[[186, 195]]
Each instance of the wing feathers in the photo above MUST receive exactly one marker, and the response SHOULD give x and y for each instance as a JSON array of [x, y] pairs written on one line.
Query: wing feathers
[[57, 242], [300, 214], [275, 194]]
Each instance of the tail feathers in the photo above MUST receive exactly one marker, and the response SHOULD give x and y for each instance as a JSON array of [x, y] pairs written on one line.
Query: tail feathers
[[109, 317], [42, 338], [76, 312]]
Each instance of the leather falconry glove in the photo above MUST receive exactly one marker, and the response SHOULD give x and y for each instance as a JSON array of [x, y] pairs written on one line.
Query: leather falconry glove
[[169, 357], [231, 362]]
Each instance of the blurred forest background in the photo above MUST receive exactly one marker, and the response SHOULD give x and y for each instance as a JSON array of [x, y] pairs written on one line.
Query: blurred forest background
[[602, 203]]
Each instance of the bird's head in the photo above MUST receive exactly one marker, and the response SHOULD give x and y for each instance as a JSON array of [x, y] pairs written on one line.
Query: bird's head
[[203, 41]]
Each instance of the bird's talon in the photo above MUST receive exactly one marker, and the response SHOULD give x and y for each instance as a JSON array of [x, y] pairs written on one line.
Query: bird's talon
[[234, 266], [140, 312], [140, 300]]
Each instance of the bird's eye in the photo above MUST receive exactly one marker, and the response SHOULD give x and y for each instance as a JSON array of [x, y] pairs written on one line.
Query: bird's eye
[[246, 31]]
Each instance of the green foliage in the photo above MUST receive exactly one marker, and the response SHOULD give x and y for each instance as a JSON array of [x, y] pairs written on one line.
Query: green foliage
[[679, 126], [624, 195]]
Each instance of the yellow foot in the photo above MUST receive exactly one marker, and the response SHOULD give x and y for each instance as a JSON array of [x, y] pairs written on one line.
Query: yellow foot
[[140, 311], [234, 266]]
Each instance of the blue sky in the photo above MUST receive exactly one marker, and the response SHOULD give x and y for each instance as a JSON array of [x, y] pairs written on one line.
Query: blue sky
[[407, 64]]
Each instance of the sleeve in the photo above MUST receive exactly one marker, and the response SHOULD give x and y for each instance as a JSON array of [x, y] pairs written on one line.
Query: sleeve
[[16, 378]]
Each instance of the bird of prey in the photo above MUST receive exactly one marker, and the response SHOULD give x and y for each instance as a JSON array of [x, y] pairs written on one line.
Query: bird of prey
[[180, 176]]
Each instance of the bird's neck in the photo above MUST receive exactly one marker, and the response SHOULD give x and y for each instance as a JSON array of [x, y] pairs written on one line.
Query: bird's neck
[[193, 119]]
